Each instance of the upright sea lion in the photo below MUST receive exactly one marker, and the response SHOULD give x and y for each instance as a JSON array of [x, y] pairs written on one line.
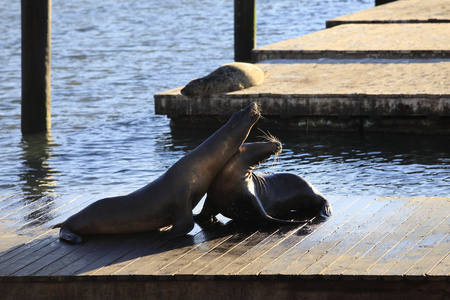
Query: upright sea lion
[[240, 194], [169, 199], [227, 78]]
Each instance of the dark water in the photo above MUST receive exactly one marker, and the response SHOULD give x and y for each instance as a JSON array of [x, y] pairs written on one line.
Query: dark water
[[110, 57]]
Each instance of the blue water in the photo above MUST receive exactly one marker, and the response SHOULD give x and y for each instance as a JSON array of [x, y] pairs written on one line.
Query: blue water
[[110, 57]]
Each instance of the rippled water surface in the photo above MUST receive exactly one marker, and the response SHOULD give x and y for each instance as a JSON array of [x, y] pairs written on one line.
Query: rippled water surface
[[110, 57]]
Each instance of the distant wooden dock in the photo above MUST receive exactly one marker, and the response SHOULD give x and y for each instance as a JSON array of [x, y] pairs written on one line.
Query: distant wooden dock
[[371, 248], [385, 69]]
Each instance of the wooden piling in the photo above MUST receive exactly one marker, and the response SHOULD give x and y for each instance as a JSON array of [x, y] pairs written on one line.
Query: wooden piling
[[36, 65], [244, 29]]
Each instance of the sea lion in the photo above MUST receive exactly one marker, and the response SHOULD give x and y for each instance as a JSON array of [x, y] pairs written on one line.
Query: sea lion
[[240, 194], [227, 78], [169, 199]]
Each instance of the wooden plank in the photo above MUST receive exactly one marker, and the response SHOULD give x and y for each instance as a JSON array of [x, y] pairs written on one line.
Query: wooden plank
[[6, 200], [432, 258], [421, 251], [126, 255], [314, 249], [443, 267], [60, 212], [271, 241], [17, 209], [407, 252], [159, 253], [282, 263], [211, 255], [337, 245], [400, 223], [275, 255], [42, 213], [34, 240], [414, 229], [25, 255], [235, 251], [118, 251], [358, 242], [213, 236], [63, 263], [86, 254], [293, 238]]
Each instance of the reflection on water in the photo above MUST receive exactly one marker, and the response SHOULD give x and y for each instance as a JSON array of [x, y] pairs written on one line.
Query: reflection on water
[[37, 175]]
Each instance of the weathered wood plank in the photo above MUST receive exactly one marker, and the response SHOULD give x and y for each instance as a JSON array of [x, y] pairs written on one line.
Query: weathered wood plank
[[6, 200], [42, 229], [268, 243], [175, 247], [23, 255], [388, 240], [315, 249], [39, 243], [44, 214], [86, 254], [216, 252], [433, 257], [352, 247], [293, 238], [429, 217], [321, 256], [116, 259], [235, 251], [288, 256], [421, 251], [273, 255], [213, 237], [443, 267], [159, 254]]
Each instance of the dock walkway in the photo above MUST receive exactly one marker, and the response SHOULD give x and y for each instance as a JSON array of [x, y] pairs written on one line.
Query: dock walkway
[[371, 248], [379, 70]]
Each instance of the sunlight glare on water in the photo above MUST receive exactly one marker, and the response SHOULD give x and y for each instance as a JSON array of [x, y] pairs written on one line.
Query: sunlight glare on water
[[110, 57]]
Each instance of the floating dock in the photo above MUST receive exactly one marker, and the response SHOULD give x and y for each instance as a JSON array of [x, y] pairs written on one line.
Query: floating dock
[[362, 75], [371, 248]]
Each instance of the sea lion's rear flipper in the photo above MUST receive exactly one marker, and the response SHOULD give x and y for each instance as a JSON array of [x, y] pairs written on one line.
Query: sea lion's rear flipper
[[326, 210], [207, 215], [259, 207], [69, 236]]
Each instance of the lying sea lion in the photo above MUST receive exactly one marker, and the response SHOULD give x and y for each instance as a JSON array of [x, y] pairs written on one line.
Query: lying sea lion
[[240, 194], [227, 78], [169, 199]]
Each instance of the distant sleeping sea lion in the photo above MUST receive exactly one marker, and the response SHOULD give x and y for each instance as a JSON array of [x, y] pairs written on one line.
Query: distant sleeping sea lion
[[169, 199], [240, 194], [227, 78]]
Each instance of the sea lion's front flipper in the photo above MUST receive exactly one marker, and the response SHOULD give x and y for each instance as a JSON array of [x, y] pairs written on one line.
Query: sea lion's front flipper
[[69, 236]]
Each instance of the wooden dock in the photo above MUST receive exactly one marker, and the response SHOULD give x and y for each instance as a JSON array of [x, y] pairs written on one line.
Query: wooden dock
[[371, 248], [380, 70]]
